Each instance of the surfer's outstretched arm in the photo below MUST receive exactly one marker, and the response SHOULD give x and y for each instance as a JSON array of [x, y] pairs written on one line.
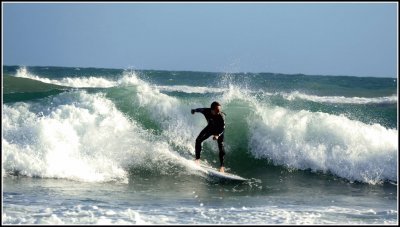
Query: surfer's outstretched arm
[[198, 110]]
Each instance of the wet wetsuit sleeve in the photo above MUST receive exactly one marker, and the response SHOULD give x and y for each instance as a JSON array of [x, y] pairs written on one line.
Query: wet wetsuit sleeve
[[220, 125], [200, 110]]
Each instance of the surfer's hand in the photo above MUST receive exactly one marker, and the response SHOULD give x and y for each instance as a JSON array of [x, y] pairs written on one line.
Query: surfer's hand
[[215, 137], [192, 111]]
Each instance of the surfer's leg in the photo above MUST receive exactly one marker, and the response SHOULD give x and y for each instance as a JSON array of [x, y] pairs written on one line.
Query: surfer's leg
[[204, 134], [221, 149]]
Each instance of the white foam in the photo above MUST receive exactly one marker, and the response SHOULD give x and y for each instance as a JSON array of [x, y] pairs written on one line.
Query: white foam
[[79, 129], [82, 82], [67, 142], [319, 141], [78, 214], [190, 89], [130, 78], [179, 126], [72, 128], [324, 142], [339, 99], [78, 82], [78, 136], [289, 214], [237, 92]]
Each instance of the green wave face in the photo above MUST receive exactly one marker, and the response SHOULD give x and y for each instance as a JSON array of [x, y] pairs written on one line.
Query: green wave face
[[17, 89]]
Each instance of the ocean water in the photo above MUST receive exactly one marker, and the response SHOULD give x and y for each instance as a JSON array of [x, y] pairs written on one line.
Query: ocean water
[[116, 146]]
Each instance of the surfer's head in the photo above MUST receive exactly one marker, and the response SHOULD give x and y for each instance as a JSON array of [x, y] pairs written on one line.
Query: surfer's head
[[216, 107]]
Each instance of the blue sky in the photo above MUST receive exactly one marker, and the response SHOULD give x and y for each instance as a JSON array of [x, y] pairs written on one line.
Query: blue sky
[[356, 39]]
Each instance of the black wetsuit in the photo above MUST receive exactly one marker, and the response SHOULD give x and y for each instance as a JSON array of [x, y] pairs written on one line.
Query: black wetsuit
[[216, 126]]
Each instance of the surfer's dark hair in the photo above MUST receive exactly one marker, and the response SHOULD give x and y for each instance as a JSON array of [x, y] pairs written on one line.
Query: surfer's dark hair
[[214, 105]]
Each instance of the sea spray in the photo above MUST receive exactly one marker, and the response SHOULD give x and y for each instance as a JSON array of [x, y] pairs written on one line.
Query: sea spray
[[118, 151], [319, 139], [81, 137], [323, 142]]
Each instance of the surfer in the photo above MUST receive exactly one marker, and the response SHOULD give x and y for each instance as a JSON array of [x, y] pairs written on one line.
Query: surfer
[[215, 128]]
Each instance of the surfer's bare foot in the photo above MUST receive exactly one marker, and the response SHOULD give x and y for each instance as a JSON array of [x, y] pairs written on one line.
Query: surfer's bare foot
[[222, 169], [197, 161]]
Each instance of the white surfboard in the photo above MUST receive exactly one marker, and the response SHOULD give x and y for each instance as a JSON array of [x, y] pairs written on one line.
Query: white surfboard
[[220, 176]]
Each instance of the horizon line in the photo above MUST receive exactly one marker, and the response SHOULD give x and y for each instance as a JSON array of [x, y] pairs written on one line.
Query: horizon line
[[199, 71]]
